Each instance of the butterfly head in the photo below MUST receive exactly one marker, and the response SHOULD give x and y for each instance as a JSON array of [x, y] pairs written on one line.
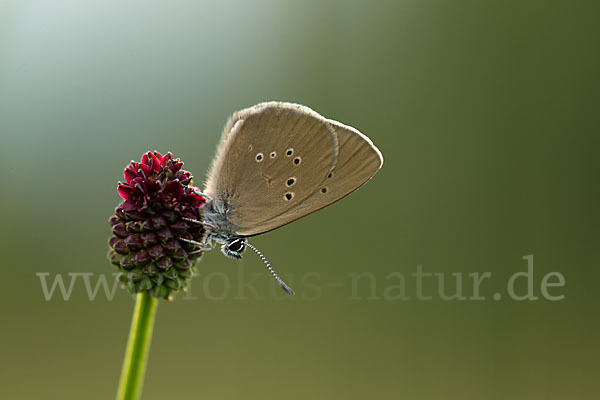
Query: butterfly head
[[234, 247]]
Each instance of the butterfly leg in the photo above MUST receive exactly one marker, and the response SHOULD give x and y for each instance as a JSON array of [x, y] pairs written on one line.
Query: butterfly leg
[[202, 247]]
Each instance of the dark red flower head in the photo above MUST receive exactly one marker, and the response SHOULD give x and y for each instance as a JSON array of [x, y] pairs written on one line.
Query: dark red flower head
[[149, 224]]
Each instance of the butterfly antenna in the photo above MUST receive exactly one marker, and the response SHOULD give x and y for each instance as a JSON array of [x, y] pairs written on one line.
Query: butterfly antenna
[[277, 278]]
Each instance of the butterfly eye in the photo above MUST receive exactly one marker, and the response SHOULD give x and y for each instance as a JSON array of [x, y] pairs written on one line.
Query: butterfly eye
[[236, 245], [234, 248]]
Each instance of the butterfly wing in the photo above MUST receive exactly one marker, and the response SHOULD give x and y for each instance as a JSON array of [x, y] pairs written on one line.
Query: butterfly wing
[[271, 158]]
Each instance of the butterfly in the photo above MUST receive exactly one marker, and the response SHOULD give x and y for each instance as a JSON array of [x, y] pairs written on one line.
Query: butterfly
[[277, 162]]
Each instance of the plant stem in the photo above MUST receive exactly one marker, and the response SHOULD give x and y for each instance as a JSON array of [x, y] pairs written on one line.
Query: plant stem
[[138, 344]]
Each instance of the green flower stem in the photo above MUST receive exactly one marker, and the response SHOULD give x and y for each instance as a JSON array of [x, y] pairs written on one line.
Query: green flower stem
[[138, 344]]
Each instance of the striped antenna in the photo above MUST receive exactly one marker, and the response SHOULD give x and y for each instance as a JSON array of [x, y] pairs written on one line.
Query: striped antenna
[[277, 278]]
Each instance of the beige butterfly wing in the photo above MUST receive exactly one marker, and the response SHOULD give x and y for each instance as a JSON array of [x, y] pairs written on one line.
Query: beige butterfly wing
[[263, 149], [334, 160]]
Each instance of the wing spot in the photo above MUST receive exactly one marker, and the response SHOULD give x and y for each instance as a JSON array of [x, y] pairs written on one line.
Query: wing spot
[[288, 196], [330, 175], [290, 182], [250, 148], [273, 154], [297, 160], [324, 190], [289, 152], [259, 157]]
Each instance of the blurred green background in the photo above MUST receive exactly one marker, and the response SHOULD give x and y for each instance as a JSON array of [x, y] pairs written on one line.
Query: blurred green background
[[486, 113]]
